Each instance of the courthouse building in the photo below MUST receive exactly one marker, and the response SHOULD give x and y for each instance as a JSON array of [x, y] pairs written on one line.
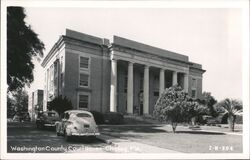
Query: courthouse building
[[123, 76]]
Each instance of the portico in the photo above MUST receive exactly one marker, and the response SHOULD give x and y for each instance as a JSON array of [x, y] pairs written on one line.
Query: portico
[[141, 81]]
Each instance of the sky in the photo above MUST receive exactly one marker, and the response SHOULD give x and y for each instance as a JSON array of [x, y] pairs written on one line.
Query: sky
[[211, 37]]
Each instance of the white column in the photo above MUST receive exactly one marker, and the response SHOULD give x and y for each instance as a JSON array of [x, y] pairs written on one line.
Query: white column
[[186, 82], [174, 81], [146, 91], [162, 81], [130, 89], [113, 85]]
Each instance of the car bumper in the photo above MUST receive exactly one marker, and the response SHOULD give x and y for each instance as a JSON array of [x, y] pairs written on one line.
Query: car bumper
[[85, 134], [49, 125]]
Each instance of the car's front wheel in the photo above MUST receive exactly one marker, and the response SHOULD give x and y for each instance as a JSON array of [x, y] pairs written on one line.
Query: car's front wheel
[[57, 133], [39, 126], [66, 136]]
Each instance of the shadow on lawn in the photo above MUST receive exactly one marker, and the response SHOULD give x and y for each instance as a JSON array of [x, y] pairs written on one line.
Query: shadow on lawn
[[125, 129], [201, 132], [131, 131]]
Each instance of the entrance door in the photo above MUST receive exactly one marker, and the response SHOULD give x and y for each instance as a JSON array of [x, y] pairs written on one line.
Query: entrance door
[[141, 103]]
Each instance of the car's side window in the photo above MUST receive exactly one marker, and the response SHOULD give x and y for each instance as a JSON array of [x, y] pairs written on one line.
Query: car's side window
[[62, 116], [67, 116]]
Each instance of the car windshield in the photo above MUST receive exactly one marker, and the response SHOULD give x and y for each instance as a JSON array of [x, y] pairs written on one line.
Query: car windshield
[[83, 115], [51, 114]]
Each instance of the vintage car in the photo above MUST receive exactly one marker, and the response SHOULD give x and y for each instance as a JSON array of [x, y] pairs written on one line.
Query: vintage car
[[47, 119], [21, 117], [77, 123]]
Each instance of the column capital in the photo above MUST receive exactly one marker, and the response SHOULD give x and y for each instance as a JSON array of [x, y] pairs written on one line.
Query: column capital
[[130, 63], [176, 71], [146, 66], [162, 70]]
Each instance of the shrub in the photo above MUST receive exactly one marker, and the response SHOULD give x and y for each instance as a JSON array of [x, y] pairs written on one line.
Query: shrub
[[98, 116], [113, 118], [60, 105]]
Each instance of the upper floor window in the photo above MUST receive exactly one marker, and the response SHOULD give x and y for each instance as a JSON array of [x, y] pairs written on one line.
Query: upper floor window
[[84, 80], [194, 83], [84, 63]]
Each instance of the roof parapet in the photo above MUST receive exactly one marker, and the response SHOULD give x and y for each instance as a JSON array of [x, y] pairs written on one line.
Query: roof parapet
[[149, 49], [87, 38]]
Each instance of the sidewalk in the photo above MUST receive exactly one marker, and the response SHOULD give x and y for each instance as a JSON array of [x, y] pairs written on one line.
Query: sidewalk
[[119, 145]]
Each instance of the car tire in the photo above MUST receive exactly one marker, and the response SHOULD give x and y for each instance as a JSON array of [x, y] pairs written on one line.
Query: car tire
[[39, 126], [58, 133], [66, 137]]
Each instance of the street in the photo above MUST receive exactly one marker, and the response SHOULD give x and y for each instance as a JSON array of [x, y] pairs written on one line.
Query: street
[[26, 138]]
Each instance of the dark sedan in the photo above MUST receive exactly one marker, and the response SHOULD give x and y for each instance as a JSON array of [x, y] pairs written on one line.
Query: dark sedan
[[47, 119]]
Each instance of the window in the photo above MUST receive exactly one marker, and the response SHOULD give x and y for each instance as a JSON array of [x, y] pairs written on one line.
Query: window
[[83, 115], [193, 93], [84, 80], [156, 85], [61, 80], [84, 62], [61, 64], [51, 77], [66, 115], [51, 114], [84, 74], [83, 101], [125, 84], [156, 93], [193, 83], [141, 82]]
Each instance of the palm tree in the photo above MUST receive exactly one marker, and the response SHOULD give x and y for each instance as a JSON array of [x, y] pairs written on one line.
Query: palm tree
[[231, 107]]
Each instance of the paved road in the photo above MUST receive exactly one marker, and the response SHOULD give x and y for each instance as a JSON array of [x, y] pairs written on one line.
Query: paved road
[[26, 138]]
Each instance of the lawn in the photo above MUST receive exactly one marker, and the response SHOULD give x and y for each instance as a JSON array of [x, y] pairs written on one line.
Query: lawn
[[185, 140]]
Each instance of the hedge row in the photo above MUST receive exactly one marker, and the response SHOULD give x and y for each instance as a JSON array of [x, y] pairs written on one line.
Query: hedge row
[[108, 118]]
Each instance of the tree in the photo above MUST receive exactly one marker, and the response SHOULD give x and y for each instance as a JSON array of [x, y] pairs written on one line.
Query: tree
[[176, 106], [209, 101], [10, 107], [20, 101], [231, 107], [60, 104], [22, 45]]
